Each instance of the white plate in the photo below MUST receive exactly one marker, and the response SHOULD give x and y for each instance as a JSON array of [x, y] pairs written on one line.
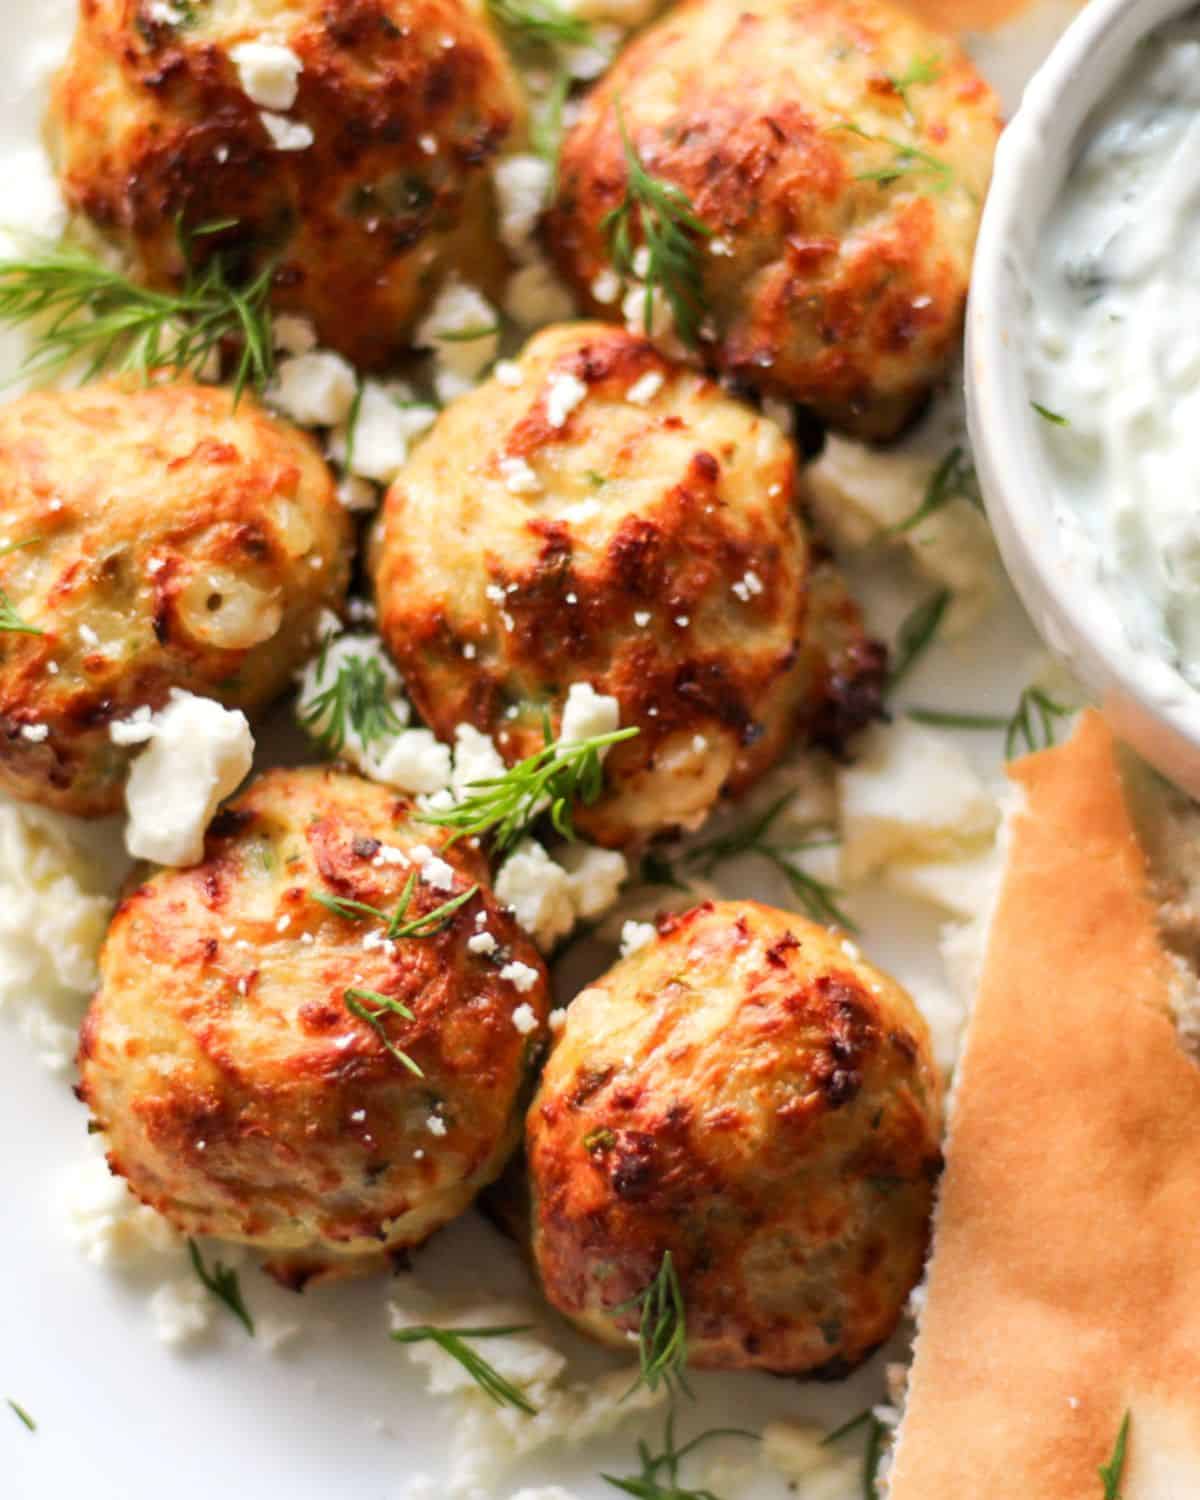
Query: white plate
[[338, 1413]]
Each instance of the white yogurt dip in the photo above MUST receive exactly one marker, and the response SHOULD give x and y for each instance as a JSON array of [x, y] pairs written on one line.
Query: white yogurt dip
[[1115, 349]]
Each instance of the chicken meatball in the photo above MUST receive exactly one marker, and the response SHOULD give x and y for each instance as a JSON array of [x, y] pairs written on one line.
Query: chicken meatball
[[154, 538], [269, 1065], [838, 153], [746, 1093], [349, 140], [596, 514]]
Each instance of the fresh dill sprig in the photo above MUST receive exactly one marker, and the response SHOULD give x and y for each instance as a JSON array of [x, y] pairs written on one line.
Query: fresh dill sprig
[[662, 1332], [486, 1376], [817, 898], [872, 1453], [356, 701], [916, 635], [101, 316], [921, 70], [1113, 1471], [907, 160], [660, 1478], [397, 924], [936, 718], [1034, 724], [552, 779], [953, 479], [540, 23], [22, 1415], [222, 1281], [658, 216], [357, 1001], [10, 620], [1056, 419]]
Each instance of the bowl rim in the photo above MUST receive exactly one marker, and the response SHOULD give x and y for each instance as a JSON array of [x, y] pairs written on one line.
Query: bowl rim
[[1149, 702]]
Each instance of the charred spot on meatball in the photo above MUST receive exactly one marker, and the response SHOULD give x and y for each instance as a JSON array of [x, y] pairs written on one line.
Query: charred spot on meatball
[[750, 1095], [605, 515], [363, 195], [158, 537], [841, 202]]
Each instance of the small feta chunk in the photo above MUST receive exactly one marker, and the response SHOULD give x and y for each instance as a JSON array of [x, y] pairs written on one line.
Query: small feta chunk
[[534, 296], [482, 943], [286, 135], [635, 936], [587, 714], [538, 891], [197, 753], [523, 185], [522, 977], [564, 392], [386, 423], [911, 794], [315, 389], [519, 478], [594, 878], [644, 389], [524, 1018], [268, 72], [476, 759], [415, 762], [463, 329]]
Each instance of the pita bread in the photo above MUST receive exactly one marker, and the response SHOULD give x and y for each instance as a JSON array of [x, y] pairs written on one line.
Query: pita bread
[[1064, 1285]]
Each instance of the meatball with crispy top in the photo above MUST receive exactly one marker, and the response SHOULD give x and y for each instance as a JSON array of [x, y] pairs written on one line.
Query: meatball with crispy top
[[306, 1043], [837, 152], [345, 144], [597, 514], [748, 1094], [154, 538]]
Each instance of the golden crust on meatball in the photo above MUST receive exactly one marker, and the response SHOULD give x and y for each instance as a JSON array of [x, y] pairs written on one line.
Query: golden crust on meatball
[[239, 1093], [839, 151], [406, 101], [617, 519], [156, 537], [749, 1094]]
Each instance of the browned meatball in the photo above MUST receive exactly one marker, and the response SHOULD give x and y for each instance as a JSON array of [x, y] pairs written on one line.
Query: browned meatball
[[604, 515], [156, 537], [230, 1058], [750, 1095], [839, 152], [403, 103]]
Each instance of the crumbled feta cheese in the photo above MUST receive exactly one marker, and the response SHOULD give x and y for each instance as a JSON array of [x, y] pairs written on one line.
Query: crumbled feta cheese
[[436, 872], [476, 758], [106, 1222], [558, 1019], [594, 878], [386, 423], [523, 184], [606, 288], [644, 389], [315, 389], [519, 478], [508, 373], [863, 495], [292, 334], [463, 328], [911, 794], [286, 135], [535, 296], [635, 936], [35, 733], [197, 754], [582, 512], [435, 1125], [181, 1309], [539, 892], [268, 72], [483, 943], [641, 618], [564, 392], [588, 714], [415, 762], [524, 1018]]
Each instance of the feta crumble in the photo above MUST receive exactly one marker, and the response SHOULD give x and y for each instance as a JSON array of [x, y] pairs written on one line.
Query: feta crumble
[[286, 135], [587, 714], [644, 390], [523, 185], [521, 976], [524, 1018], [564, 392], [197, 752], [316, 389], [387, 421], [635, 936], [268, 72], [463, 329], [539, 892]]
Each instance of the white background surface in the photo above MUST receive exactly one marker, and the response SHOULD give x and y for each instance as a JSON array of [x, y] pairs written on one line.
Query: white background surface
[[338, 1414]]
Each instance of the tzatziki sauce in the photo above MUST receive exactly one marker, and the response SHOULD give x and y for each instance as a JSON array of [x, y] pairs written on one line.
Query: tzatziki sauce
[[1114, 352]]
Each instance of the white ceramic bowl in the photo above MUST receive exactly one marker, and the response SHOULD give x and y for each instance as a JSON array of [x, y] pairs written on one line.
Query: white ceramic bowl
[[1149, 704]]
